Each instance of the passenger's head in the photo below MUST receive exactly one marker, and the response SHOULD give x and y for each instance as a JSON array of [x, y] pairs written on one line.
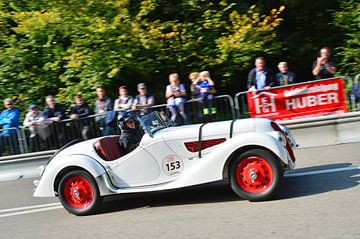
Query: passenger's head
[[100, 92], [126, 121], [50, 101], [8, 103], [260, 63], [174, 78], [123, 91], [283, 67]]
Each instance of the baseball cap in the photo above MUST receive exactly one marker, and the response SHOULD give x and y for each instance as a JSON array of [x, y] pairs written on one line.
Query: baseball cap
[[32, 106], [141, 85]]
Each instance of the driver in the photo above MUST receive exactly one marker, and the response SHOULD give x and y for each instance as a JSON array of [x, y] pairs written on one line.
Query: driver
[[131, 133]]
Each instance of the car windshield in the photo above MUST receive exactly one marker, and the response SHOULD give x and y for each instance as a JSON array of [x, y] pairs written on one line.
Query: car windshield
[[154, 121]]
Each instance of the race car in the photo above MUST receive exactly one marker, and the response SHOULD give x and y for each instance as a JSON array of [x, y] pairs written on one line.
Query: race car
[[252, 154]]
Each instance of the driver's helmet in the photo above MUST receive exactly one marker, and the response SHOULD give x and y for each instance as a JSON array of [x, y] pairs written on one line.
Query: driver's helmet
[[122, 118]]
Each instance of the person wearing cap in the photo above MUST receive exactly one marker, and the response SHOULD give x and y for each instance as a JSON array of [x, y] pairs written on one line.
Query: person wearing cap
[[144, 100], [9, 120], [124, 102], [37, 123]]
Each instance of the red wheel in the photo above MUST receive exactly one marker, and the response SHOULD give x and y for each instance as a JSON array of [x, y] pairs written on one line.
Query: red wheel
[[79, 193], [256, 175]]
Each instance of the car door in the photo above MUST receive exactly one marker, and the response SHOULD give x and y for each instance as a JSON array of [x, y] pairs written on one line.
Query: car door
[[137, 168]]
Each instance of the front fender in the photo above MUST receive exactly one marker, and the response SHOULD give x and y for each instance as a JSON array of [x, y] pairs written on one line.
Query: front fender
[[45, 188]]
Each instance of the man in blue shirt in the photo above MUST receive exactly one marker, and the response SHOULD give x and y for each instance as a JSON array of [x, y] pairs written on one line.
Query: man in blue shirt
[[9, 120], [260, 77]]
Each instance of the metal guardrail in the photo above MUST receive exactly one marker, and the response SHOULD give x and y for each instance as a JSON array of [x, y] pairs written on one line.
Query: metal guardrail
[[53, 136]]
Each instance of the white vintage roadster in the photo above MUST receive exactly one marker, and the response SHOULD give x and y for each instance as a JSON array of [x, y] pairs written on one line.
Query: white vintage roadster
[[251, 153]]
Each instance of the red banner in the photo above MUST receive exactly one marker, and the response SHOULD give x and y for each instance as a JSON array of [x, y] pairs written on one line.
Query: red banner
[[299, 101]]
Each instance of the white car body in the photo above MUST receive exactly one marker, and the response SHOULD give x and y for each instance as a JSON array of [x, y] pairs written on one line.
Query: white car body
[[162, 161]]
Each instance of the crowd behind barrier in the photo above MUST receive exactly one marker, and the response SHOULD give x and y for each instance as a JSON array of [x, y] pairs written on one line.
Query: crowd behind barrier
[[55, 135], [58, 134]]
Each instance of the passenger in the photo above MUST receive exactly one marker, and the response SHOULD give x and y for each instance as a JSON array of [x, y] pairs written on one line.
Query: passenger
[[131, 132]]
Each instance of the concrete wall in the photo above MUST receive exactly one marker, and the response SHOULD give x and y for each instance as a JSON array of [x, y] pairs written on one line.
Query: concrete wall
[[325, 130]]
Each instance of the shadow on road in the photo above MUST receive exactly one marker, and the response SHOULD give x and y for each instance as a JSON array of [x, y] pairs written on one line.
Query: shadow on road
[[320, 183], [293, 187]]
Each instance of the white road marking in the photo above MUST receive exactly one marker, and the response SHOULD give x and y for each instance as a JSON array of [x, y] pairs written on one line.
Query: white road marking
[[29, 207], [333, 170], [30, 211]]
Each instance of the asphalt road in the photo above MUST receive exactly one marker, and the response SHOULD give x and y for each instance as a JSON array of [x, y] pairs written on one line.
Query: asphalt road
[[320, 200]]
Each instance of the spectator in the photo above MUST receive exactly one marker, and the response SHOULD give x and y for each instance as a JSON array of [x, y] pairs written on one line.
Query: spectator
[[175, 95], [80, 111], [144, 100], [260, 77], [104, 106], [37, 123], [284, 77], [55, 113], [9, 120], [194, 78], [324, 67], [206, 94], [124, 102]]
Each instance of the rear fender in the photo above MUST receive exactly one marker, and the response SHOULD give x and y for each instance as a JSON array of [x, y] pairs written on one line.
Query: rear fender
[[255, 140], [48, 181]]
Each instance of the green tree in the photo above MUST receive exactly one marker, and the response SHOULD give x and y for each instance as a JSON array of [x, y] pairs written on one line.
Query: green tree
[[62, 47], [348, 19]]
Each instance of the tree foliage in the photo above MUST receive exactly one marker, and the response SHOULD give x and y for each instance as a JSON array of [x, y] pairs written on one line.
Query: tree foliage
[[63, 47], [348, 19]]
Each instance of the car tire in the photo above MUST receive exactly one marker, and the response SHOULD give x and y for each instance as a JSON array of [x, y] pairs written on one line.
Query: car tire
[[79, 193], [256, 175]]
